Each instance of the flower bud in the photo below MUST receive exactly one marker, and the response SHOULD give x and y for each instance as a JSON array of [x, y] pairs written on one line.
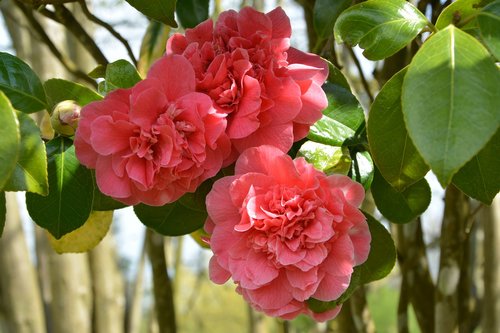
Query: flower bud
[[65, 117]]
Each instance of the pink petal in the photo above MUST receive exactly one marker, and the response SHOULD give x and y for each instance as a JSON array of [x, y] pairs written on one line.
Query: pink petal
[[84, 152], [176, 74], [285, 94], [147, 103], [279, 136], [257, 159], [281, 23], [273, 296], [202, 33], [109, 137], [251, 22], [340, 260], [176, 44], [258, 270], [354, 192], [327, 315], [331, 287], [219, 202], [109, 183], [298, 57], [216, 273], [244, 120], [313, 102]]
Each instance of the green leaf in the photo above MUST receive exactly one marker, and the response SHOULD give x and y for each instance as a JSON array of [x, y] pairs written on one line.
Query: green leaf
[[362, 169], [173, 219], [3, 212], [69, 202], [160, 10], [192, 12], [59, 90], [480, 177], [10, 142], [21, 85], [153, 45], [400, 207], [489, 25], [328, 159], [380, 27], [378, 265], [450, 100], [30, 173], [101, 201], [120, 74], [325, 13], [330, 132], [392, 150], [343, 106], [458, 12]]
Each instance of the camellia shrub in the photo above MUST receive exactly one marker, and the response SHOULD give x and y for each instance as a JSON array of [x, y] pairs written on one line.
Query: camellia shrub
[[263, 148]]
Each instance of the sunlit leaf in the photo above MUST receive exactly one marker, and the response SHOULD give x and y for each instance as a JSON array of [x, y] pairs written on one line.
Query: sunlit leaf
[[21, 85], [400, 207], [3, 212], [120, 74], [329, 159], [10, 142], [392, 150], [153, 45], [380, 27], [30, 172], [362, 169], [69, 202], [450, 100], [458, 12], [86, 237]]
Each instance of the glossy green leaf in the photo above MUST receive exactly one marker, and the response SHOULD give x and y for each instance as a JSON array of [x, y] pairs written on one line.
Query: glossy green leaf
[[120, 74], [330, 132], [101, 201], [30, 172], [160, 10], [192, 12], [328, 159], [378, 265], [173, 219], [343, 106], [458, 12], [392, 150], [21, 85], [400, 207], [380, 27], [325, 13], [3, 212], [489, 25], [59, 90], [450, 100], [153, 45], [480, 177], [69, 202], [10, 142], [362, 169]]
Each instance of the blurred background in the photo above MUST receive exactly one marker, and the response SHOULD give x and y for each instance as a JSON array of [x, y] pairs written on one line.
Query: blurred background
[[110, 289]]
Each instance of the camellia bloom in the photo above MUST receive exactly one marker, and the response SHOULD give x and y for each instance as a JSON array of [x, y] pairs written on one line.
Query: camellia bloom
[[285, 232], [156, 141], [270, 92]]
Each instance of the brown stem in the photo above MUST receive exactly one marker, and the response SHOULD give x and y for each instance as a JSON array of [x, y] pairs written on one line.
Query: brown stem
[[107, 26], [163, 291], [63, 16], [364, 82], [65, 61]]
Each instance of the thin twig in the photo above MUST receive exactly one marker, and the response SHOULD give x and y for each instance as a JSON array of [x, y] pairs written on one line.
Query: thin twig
[[108, 27], [66, 62], [63, 16], [364, 82]]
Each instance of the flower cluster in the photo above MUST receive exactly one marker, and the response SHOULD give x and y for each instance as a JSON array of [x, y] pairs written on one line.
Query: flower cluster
[[225, 92], [270, 92], [285, 232]]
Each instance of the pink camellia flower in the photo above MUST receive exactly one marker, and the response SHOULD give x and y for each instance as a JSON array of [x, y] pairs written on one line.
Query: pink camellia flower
[[270, 92], [156, 141], [285, 232]]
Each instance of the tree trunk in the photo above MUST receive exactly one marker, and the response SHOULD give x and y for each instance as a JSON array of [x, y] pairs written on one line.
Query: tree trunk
[[134, 307], [164, 300], [108, 287], [491, 301], [20, 292], [453, 241]]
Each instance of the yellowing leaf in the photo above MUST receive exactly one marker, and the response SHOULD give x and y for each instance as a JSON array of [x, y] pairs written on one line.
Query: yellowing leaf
[[86, 237]]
